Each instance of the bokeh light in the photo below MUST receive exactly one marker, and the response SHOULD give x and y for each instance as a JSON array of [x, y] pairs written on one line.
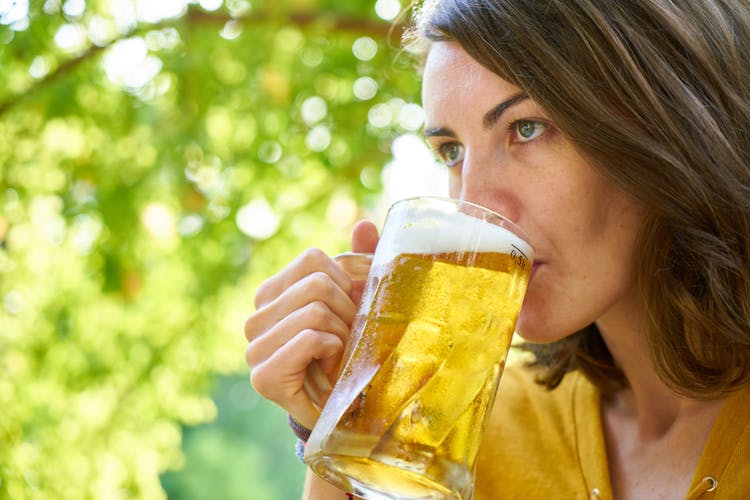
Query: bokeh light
[[387, 9], [364, 48], [129, 64], [365, 88], [313, 109], [318, 138], [257, 219]]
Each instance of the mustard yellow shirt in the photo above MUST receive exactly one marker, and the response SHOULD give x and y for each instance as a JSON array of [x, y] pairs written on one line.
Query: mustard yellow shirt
[[549, 445]]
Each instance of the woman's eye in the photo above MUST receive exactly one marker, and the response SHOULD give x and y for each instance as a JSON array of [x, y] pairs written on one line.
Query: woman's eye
[[528, 130], [452, 153]]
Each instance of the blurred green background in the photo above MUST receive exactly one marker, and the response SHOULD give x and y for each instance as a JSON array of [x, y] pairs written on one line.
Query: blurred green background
[[158, 159]]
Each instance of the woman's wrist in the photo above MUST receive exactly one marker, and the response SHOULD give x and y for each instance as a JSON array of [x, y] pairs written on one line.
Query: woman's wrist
[[303, 434], [319, 489]]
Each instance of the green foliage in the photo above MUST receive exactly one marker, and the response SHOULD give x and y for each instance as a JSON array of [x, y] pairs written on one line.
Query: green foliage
[[152, 172], [246, 453]]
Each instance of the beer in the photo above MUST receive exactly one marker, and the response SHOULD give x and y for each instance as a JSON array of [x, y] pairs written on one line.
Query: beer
[[427, 349]]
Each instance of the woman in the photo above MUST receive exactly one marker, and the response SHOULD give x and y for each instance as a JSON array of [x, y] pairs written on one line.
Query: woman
[[617, 134]]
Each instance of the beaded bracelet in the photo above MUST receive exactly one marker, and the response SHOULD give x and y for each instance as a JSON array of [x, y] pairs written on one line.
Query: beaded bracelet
[[299, 450], [299, 430]]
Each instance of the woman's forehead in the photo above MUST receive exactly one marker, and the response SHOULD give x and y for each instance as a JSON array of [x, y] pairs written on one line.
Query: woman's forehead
[[450, 70]]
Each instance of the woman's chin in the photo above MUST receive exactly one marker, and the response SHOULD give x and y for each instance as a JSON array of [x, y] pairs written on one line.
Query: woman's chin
[[536, 332]]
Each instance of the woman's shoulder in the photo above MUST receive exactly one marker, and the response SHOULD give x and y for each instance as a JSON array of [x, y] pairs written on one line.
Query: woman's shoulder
[[724, 461]]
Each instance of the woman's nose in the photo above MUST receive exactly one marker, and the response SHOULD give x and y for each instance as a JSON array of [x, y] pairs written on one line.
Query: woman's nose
[[486, 184]]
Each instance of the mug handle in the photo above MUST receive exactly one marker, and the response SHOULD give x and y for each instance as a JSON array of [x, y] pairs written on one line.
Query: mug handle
[[316, 385]]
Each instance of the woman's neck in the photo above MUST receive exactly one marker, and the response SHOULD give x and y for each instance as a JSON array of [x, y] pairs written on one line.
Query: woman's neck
[[651, 404], [649, 421]]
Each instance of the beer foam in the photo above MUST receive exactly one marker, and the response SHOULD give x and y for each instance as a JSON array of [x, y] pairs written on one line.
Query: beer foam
[[431, 230]]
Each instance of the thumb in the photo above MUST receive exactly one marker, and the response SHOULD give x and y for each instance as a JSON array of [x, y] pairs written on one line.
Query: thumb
[[364, 240], [364, 237]]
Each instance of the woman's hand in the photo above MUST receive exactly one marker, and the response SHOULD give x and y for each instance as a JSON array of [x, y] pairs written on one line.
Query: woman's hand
[[303, 313]]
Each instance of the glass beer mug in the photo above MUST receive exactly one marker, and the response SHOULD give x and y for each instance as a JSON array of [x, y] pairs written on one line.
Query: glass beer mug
[[428, 346]]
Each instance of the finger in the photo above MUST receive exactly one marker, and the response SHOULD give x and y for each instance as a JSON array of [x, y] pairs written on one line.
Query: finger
[[364, 240], [356, 264], [364, 237], [310, 261], [317, 287], [280, 378], [314, 316]]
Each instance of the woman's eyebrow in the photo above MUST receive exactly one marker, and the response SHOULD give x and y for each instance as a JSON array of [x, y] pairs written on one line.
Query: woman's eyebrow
[[439, 131], [492, 116], [489, 119]]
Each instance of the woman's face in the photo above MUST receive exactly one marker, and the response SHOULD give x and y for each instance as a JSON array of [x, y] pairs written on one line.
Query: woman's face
[[503, 152]]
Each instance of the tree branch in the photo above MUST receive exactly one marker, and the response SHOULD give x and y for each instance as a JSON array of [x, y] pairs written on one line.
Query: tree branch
[[390, 32], [50, 77], [303, 20]]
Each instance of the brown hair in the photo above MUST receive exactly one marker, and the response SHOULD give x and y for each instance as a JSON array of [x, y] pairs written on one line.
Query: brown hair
[[656, 94]]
